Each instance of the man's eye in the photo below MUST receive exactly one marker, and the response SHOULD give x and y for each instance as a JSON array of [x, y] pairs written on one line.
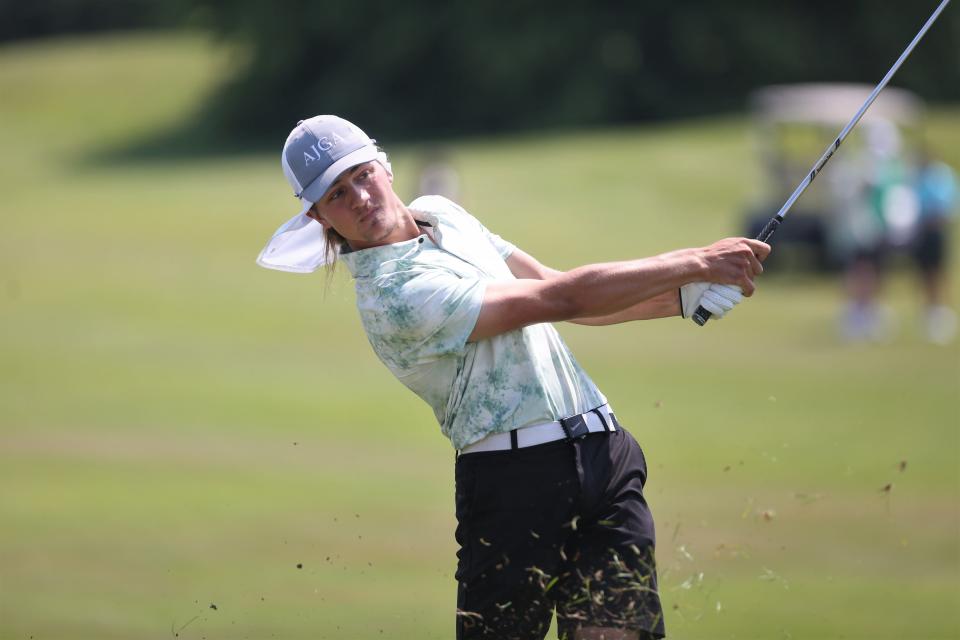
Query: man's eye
[[336, 194]]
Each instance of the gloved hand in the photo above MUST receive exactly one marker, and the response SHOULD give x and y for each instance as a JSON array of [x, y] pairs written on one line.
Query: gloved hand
[[690, 295], [718, 299]]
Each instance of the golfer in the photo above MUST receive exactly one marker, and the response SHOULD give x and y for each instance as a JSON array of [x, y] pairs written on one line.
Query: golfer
[[549, 485]]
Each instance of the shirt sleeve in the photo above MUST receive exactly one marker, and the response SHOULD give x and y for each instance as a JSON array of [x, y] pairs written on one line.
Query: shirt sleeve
[[424, 317], [503, 247], [443, 206]]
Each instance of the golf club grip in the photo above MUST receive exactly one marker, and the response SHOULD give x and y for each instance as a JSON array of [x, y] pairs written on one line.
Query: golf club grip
[[701, 315]]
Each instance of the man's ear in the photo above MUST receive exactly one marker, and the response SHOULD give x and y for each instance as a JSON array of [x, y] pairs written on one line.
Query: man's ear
[[313, 215]]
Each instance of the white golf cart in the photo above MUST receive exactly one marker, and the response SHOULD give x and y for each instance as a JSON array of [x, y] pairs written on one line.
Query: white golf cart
[[793, 125]]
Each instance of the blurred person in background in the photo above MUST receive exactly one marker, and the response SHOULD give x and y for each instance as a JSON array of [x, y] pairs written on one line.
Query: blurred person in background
[[876, 211], [549, 487], [936, 193], [438, 175]]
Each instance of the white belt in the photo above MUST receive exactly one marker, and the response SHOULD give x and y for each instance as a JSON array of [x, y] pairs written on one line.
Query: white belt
[[600, 419]]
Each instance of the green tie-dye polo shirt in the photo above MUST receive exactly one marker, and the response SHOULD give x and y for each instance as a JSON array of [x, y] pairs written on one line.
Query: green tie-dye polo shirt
[[419, 302]]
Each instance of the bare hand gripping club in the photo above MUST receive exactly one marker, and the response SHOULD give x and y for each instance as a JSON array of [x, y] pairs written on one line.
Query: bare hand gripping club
[[702, 315]]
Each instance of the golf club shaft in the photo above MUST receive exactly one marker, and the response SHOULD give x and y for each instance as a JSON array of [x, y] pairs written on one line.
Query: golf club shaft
[[702, 315]]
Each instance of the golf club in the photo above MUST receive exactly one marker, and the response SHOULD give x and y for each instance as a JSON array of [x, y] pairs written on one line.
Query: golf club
[[702, 315]]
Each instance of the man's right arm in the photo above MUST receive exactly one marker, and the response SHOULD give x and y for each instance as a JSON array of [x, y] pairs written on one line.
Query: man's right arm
[[603, 289]]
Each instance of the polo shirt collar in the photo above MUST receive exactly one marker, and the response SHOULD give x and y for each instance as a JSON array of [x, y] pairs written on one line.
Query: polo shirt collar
[[369, 262]]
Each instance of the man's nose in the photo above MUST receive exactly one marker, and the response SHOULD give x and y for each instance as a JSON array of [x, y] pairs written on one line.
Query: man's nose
[[360, 196]]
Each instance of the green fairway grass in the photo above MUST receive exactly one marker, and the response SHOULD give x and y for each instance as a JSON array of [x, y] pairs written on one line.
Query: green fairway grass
[[180, 428]]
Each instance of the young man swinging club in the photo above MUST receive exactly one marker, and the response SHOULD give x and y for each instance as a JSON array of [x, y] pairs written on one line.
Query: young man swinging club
[[549, 485]]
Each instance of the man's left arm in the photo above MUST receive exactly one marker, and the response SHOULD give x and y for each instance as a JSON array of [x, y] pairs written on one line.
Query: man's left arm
[[665, 305]]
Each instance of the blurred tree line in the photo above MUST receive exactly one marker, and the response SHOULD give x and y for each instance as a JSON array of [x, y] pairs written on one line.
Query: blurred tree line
[[408, 69], [22, 19]]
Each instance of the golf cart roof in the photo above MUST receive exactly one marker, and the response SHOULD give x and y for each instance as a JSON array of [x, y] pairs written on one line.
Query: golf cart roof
[[832, 104]]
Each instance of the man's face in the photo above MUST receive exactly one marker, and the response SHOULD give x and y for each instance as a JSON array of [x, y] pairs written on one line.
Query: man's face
[[361, 206]]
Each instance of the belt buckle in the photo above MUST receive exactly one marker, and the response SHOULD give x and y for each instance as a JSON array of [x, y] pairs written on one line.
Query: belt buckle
[[575, 427]]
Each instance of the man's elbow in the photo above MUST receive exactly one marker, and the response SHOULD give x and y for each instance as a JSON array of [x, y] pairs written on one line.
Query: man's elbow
[[565, 300], [546, 273]]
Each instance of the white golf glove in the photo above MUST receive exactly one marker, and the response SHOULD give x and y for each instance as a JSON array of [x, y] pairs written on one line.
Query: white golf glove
[[718, 299]]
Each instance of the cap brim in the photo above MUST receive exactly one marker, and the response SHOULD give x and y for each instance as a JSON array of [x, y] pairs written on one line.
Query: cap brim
[[297, 246], [315, 190]]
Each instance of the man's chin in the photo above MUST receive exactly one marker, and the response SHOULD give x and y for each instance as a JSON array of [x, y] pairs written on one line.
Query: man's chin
[[380, 231]]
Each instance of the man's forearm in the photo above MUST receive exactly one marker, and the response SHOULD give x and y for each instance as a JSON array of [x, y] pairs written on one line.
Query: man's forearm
[[665, 305], [620, 291], [662, 306]]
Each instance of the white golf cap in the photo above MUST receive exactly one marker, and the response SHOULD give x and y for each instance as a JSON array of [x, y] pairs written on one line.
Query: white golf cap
[[316, 152]]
